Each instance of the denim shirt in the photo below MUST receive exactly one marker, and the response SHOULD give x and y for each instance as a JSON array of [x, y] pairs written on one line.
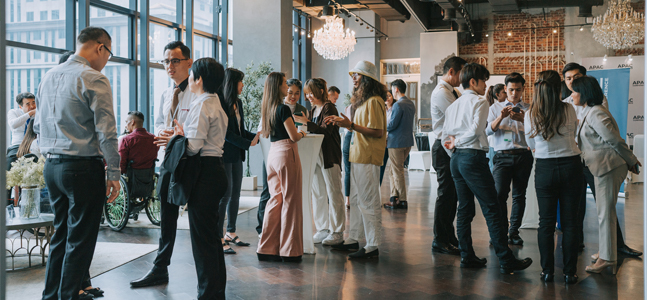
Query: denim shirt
[[75, 114], [400, 124]]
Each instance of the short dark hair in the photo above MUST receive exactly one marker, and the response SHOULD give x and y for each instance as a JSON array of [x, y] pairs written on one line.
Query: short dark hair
[[335, 89], [455, 63], [22, 96], [400, 84], [566, 92], [65, 56], [137, 115], [573, 66], [589, 89], [514, 77], [294, 81], [186, 52], [92, 33], [473, 71], [211, 72]]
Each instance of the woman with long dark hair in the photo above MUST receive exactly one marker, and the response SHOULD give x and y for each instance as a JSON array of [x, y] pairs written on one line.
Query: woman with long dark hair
[[282, 235], [609, 158], [327, 199], [368, 113], [496, 93], [237, 141], [550, 128]]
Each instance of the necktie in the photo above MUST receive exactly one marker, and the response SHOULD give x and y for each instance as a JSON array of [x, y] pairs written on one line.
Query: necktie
[[174, 104], [455, 94]]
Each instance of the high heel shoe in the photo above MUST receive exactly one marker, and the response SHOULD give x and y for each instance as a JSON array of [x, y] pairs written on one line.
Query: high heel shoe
[[570, 278], [598, 269], [595, 257], [547, 277]]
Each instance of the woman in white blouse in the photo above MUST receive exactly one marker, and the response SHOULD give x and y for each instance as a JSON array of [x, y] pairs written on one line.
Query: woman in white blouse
[[550, 127]]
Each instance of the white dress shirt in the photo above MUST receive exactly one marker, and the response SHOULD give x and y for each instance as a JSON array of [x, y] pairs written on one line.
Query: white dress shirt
[[16, 120], [560, 145], [466, 119], [510, 134], [163, 118], [206, 126], [441, 98]]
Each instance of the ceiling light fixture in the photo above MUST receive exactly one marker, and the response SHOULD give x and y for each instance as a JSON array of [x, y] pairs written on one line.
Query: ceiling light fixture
[[332, 41], [620, 27]]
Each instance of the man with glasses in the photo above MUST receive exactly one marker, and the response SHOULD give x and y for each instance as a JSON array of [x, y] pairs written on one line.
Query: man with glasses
[[174, 105], [77, 131]]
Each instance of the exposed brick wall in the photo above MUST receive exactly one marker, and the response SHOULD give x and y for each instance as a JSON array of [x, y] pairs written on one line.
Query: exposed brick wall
[[479, 48]]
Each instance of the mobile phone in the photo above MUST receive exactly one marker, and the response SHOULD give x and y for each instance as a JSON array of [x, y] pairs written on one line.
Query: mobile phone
[[516, 109], [298, 114]]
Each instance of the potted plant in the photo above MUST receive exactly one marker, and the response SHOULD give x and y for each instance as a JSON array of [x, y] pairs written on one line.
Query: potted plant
[[252, 97], [28, 174]]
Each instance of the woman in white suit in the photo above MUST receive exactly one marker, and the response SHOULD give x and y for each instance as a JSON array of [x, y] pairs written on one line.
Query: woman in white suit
[[608, 157]]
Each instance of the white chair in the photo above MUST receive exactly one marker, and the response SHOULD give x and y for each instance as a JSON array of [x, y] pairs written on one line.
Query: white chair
[[420, 160]]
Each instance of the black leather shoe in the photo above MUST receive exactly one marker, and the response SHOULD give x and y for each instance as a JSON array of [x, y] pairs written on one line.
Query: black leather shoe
[[363, 254], [473, 262], [515, 240], [86, 296], [629, 252], [444, 248], [516, 265], [268, 257], [570, 279], [291, 258], [547, 277], [346, 247], [153, 277]]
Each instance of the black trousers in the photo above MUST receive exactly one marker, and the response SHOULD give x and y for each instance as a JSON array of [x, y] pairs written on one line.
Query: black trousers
[[168, 226], [589, 179], [555, 179], [471, 173], [265, 196], [231, 201], [77, 193], [446, 202], [11, 157], [345, 151], [515, 169], [208, 255]]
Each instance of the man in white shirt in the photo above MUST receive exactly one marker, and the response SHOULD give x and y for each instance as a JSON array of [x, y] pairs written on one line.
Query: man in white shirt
[[513, 160], [174, 105], [443, 96], [464, 134], [571, 72], [17, 121]]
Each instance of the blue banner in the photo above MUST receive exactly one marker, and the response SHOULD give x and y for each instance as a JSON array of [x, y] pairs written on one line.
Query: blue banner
[[615, 85]]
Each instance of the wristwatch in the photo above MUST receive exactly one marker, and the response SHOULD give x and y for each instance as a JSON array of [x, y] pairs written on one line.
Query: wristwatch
[[352, 126]]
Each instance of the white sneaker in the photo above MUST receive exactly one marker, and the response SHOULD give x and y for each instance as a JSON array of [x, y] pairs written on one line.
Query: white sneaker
[[335, 238], [320, 236]]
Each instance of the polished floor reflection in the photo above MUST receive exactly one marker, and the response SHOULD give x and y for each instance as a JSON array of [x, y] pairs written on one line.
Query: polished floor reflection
[[406, 268]]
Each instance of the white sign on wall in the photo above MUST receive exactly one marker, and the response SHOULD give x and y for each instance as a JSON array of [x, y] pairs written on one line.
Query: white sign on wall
[[635, 117]]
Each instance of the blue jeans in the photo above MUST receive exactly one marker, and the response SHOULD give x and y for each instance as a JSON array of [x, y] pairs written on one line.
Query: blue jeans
[[472, 177], [345, 153]]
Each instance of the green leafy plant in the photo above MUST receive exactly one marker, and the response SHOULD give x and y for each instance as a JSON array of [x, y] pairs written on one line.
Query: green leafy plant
[[347, 100], [252, 97]]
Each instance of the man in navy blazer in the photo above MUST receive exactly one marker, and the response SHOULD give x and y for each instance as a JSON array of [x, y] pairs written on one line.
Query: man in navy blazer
[[399, 141]]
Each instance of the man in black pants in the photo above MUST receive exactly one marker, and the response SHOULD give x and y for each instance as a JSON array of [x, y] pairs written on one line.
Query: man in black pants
[[464, 134], [75, 143], [513, 160], [444, 95], [571, 72], [175, 104], [265, 196]]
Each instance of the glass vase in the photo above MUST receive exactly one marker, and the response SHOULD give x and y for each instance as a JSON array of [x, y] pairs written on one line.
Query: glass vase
[[29, 203]]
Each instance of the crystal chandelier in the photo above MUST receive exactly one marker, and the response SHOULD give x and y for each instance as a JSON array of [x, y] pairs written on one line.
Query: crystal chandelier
[[620, 27], [332, 42]]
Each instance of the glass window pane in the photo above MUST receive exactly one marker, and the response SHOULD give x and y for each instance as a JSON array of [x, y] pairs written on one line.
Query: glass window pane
[[123, 3], [203, 47], [159, 83], [164, 9], [203, 15], [116, 25], [230, 54], [230, 20], [119, 75], [159, 37], [22, 25]]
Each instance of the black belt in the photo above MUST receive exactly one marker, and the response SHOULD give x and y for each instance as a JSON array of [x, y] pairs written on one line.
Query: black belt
[[72, 157], [513, 151], [469, 151]]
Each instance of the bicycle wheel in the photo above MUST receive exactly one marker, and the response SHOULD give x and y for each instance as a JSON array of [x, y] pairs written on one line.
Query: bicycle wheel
[[154, 206], [117, 212]]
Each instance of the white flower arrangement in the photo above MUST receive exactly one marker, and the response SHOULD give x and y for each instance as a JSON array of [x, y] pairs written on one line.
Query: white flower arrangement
[[26, 173]]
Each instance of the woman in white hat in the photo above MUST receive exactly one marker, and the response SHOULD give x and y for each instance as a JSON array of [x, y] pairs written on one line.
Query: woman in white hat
[[368, 113]]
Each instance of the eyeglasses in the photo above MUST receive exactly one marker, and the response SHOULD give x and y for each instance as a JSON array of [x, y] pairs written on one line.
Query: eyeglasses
[[104, 47], [174, 61]]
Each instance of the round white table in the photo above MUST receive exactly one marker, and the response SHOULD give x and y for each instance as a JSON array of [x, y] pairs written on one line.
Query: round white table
[[531, 214], [309, 148]]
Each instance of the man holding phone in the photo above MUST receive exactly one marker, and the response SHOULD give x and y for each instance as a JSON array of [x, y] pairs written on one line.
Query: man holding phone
[[513, 160]]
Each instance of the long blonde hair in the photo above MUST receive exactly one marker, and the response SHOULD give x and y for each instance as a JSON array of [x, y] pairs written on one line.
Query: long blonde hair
[[272, 98], [30, 137], [547, 111]]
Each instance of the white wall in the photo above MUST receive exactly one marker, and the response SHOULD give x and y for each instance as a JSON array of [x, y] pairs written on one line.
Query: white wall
[[404, 40]]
